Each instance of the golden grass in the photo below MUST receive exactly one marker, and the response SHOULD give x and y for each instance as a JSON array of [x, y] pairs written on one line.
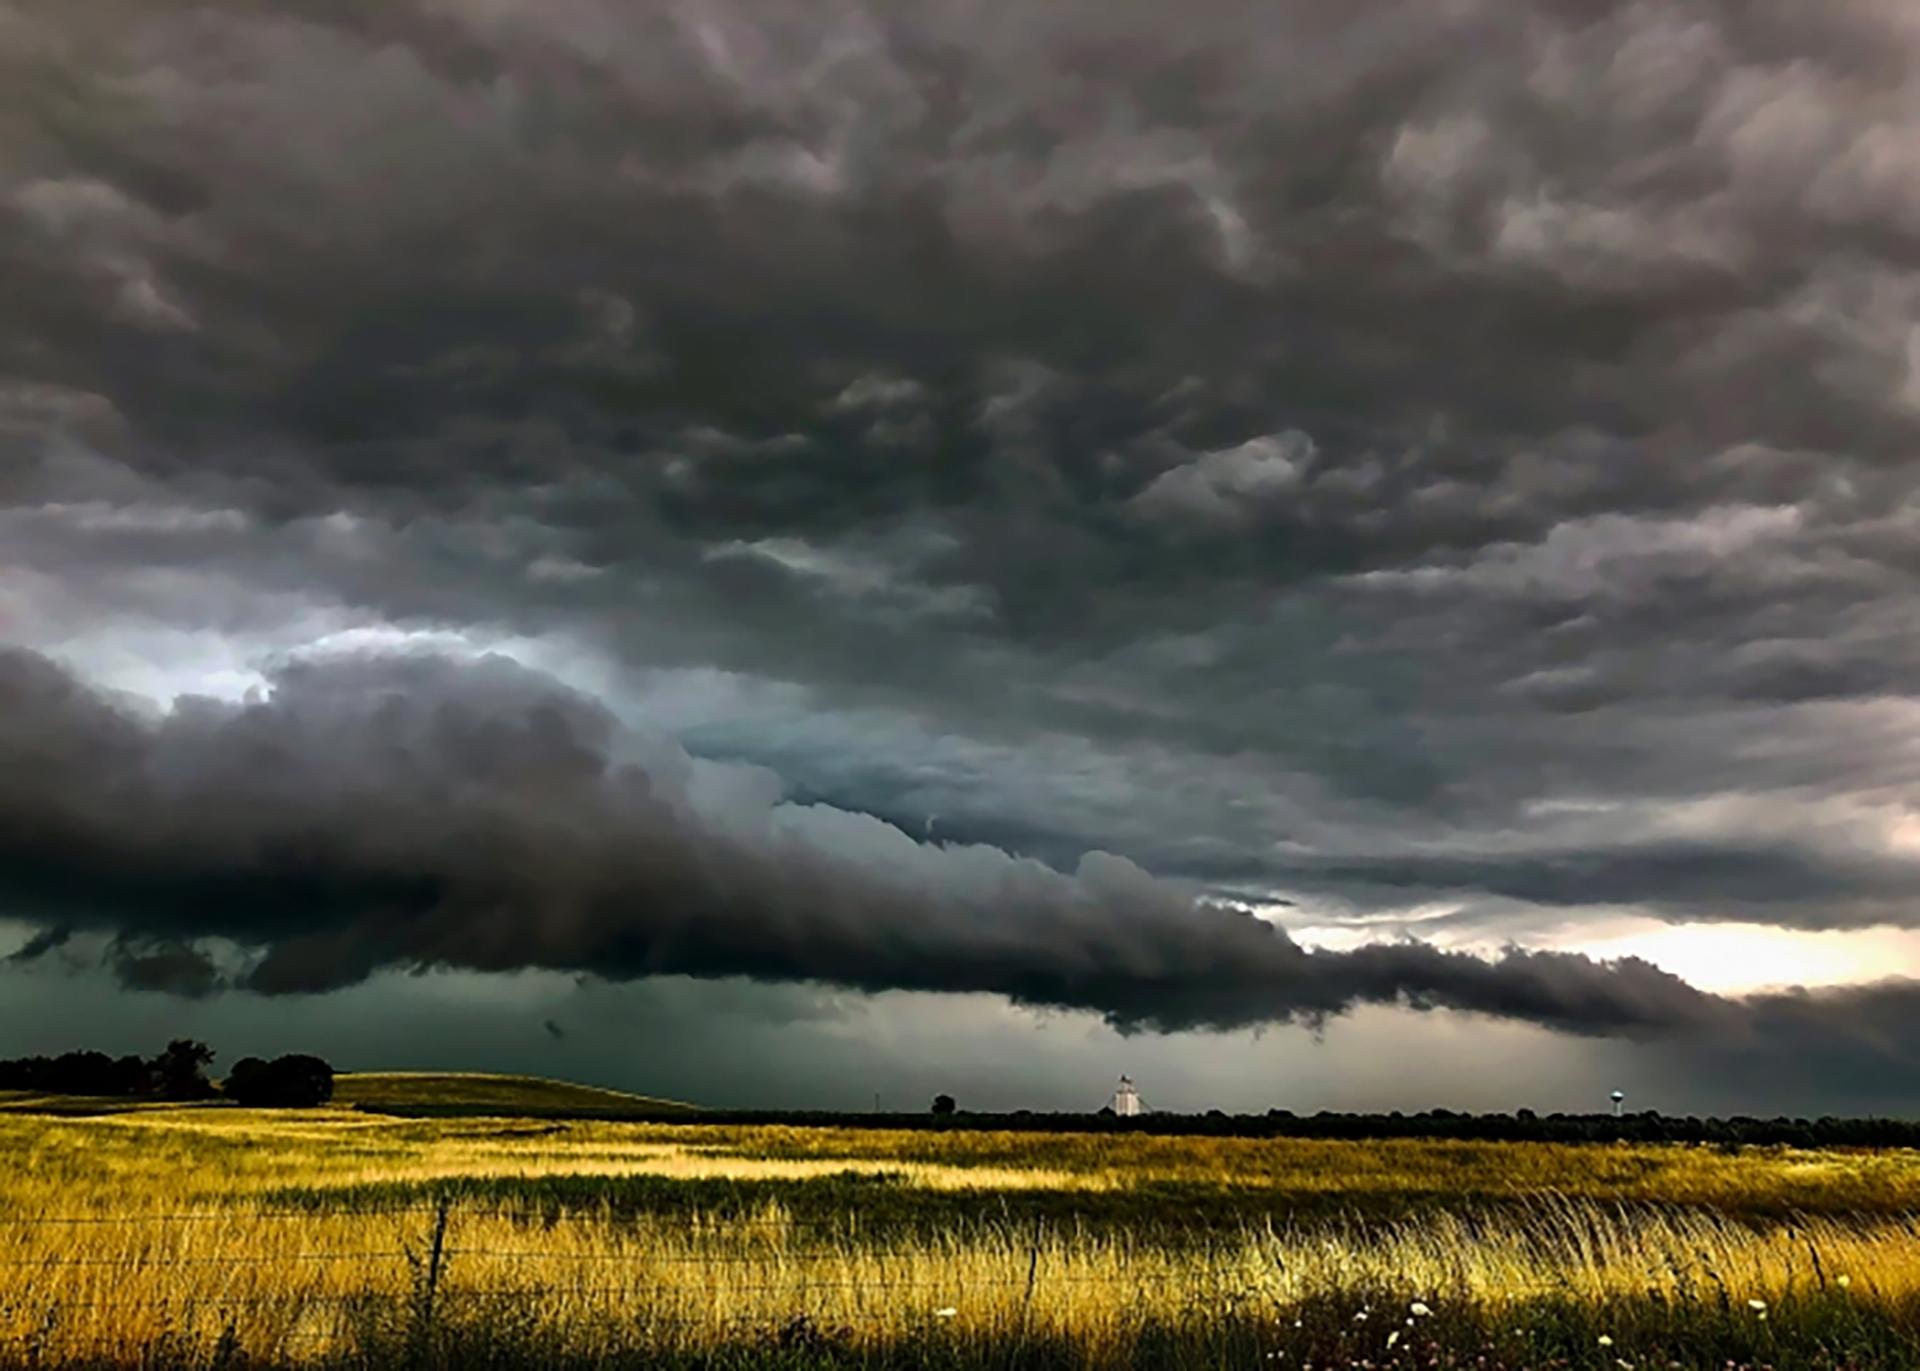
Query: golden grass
[[160, 1157], [123, 1233], [291, 1286]]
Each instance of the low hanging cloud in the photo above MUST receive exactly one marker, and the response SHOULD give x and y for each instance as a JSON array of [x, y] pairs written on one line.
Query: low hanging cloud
[[372, 812]]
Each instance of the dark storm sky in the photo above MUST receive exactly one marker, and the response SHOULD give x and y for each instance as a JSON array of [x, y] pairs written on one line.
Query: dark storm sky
[[876, 540]]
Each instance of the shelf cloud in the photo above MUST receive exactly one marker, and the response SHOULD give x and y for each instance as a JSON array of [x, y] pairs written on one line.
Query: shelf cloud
[[368, 812]]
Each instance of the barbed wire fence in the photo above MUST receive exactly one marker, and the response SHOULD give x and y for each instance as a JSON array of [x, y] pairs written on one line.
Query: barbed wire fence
[[429, 1270], [821, 1272]]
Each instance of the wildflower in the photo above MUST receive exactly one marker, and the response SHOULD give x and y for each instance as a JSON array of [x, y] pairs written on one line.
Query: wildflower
[[1843, 1281], [1393, 1337], [1418, 1310], [1605, 1341], [1361, 1317], [946, 1313], [1759, 1306]]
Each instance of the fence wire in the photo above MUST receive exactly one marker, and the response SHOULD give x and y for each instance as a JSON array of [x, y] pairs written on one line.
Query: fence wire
[[425, 1276], [431, 1266]]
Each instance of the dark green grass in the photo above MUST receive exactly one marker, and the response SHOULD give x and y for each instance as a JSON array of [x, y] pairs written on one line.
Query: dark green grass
[[1824, 1333], [1237, 1332], [878, 1207], [877, 1204]]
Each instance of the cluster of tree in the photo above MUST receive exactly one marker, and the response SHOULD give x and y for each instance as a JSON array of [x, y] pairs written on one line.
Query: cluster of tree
[[296, 1081], [178, 1073]]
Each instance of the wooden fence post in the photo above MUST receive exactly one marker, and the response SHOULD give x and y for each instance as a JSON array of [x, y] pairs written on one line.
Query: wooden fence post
[[430, 1281]]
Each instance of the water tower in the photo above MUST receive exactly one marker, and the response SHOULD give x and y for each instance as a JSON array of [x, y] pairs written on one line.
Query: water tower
[[1619, 1097]]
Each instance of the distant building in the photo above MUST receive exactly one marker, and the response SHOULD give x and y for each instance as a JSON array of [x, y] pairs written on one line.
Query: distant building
[[1126, 1101]]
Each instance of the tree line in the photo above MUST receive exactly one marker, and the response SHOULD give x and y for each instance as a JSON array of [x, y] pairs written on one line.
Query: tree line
[[1440, 1124], [179, 1072]]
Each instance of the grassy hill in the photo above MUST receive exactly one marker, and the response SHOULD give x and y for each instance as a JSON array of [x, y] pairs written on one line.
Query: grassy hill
[[474, 1092], [401, 1092]]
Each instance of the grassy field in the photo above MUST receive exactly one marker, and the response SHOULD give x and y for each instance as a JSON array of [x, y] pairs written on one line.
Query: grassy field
[[227, 1237]]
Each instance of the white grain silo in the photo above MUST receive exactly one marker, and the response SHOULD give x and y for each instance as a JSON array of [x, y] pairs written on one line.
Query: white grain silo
[[1126, 1102]]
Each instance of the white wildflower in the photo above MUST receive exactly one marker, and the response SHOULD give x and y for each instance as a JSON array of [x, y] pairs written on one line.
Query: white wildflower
[[1605, 1341], [1393, 1337], [946, 1313], [1418, 1310], [1758, 1305], [1843, 1281]]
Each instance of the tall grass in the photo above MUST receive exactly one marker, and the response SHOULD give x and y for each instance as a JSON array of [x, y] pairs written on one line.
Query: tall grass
[[233, 1239]]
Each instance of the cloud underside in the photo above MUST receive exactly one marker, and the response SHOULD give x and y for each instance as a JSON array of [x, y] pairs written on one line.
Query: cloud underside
[[1444, 456], [417, 812]]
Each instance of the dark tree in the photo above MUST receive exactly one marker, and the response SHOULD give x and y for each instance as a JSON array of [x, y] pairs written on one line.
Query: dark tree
[[83, 1073], [132, 1076], [943, 1104], [181, 1071], [242, 1078], [292, 1082]]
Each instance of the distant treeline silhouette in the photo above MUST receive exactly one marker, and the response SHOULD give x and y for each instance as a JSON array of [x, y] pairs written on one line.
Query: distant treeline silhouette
[[177, 1073], [1524, 1126]]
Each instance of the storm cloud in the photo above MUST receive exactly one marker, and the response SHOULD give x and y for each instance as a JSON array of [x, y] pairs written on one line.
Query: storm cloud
[[1422, 465], [425, 813]]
